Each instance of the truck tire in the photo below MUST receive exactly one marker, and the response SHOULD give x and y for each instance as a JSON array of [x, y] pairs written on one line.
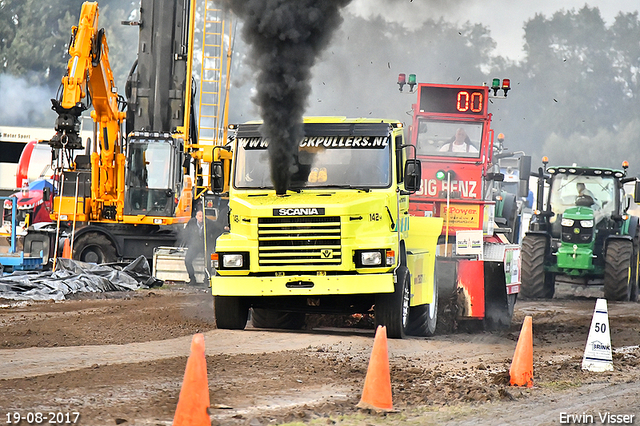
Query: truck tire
[[617, 270], [424, 318], [269, 318], [231, 312], [392, 309], [94, 247], [536, 283]]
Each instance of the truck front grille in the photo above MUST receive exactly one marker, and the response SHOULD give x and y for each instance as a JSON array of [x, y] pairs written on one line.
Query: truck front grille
[[290, 241]]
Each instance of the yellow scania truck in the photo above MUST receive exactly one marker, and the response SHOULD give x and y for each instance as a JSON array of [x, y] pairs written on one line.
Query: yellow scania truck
[[340, 240]]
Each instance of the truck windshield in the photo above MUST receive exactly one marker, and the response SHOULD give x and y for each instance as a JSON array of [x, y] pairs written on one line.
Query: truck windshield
[[596, 192], [449, 138], [337, 161]]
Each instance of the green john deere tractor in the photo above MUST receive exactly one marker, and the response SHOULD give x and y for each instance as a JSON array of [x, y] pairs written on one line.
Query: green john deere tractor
[[582, 233]]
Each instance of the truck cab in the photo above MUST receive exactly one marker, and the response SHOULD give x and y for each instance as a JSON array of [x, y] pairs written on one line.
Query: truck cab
[[340, 240]]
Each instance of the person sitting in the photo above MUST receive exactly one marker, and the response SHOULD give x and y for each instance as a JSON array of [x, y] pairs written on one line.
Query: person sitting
[[585, 197], [459, 143]]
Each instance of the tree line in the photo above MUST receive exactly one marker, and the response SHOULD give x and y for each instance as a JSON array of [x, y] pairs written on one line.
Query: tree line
[[575, 94]]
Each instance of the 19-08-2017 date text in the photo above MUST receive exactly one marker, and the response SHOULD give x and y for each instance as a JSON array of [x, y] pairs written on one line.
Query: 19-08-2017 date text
[[36, 418]]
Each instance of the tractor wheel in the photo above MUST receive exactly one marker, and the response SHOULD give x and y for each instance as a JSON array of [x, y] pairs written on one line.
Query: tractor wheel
[[268, 318], [617, 270], [424, 318], [635, 268], [231, 312], [536, 283], [94, 247], [392, 309]]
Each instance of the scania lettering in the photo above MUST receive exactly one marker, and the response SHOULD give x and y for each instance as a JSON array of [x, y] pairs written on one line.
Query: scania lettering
[[298, 212]]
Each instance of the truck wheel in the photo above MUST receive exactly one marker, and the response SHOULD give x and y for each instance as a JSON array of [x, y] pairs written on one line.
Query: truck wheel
[[392, 309], [511, 305], [617, 270], [94, 247], [269, 318], [536, 283], [424, 318], [231, 312]]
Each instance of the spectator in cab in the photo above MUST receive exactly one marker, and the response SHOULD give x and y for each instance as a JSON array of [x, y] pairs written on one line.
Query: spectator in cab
[[459, 143]]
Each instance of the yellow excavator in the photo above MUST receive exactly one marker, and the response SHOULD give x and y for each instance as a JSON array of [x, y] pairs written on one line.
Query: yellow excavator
[[132, 189]]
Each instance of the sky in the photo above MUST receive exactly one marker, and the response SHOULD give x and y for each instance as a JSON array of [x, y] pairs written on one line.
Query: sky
[[504, 18]]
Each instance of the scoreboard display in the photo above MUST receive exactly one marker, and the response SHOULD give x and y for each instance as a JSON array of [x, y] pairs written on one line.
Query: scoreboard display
[[471, 100]]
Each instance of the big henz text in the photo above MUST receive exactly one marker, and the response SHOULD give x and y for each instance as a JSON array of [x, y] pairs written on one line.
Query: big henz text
[[467, 188]]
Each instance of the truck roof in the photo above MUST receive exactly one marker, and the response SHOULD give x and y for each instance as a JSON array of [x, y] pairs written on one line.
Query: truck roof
[[337, 119], [330, 126]]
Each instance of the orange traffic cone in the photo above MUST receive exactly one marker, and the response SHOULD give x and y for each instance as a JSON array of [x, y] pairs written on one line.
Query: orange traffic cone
[[66, 249], [376, 394], [521, 371], [193, 404]]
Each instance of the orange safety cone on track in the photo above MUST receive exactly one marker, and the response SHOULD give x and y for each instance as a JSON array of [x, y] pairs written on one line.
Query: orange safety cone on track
[[376, 394], [521, 371], [66, 249], [193, 404]]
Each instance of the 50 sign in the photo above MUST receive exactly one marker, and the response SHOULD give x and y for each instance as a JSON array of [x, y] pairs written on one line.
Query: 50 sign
[[600, 327]]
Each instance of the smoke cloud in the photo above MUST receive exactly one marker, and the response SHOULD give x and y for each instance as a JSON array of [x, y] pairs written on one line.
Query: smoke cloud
[[24, 104], [285, 37]]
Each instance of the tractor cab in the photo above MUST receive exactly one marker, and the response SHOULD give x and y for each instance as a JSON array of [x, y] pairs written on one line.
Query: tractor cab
[[575, 196], [581, 233]]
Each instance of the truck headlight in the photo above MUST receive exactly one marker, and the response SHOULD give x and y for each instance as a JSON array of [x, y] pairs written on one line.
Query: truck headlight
[[586, 223], [566, 222], [371, 258], [234, 260]]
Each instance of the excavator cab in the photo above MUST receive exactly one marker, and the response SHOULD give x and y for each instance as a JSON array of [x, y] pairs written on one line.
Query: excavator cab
[[153, 176]]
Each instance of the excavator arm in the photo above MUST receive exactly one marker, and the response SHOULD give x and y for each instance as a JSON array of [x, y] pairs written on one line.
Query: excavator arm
[[89, 82]]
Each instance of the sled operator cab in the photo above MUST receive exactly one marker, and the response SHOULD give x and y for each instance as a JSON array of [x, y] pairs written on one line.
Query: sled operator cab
[[478, 259]]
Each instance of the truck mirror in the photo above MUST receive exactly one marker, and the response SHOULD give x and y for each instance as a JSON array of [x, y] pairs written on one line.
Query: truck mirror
[[46, 194], [636, 193], [412, 175], [525, 168], [217, 177], [523, 188]]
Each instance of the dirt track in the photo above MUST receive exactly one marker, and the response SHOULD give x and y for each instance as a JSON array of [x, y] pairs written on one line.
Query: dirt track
[[121, 360]]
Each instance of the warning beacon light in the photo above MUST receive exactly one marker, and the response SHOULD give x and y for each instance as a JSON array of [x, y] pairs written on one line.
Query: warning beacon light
[[412, 82], [402, 80], [495, 86], [506, 86]]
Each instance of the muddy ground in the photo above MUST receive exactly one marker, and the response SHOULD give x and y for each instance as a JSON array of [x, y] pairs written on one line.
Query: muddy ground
[[120, 359]]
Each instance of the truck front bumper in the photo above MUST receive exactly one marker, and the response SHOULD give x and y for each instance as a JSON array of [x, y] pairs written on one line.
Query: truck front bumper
[[302, 285]]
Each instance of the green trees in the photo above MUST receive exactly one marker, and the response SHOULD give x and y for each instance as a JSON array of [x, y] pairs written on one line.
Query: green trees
[[578, 89], [34, 38], [575, 94]]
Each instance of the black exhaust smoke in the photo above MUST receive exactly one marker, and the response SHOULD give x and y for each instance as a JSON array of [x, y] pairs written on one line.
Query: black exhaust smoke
[[286, 37]]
